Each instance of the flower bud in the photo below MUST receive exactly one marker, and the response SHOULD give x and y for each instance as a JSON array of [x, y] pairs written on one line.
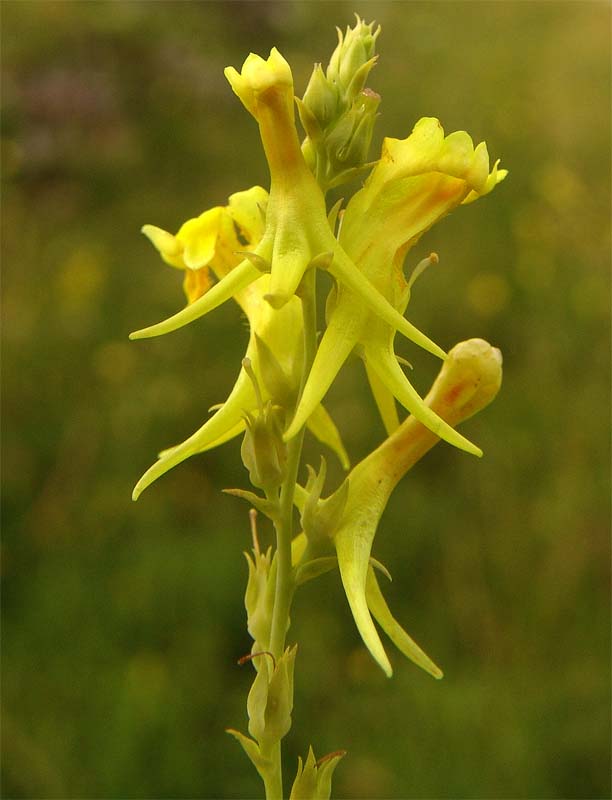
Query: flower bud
[[263, 451], [313, 778], [270, 701], [259, 598], [355, 49], [320, 518], [354, 150], [320, 98]]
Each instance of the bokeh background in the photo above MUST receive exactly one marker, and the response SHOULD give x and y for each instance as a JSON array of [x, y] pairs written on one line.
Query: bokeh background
[[123, 622]]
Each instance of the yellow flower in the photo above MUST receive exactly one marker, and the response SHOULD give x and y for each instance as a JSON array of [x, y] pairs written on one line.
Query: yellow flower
[[275, 339], [417, 181], [468, 381], [297, 234]]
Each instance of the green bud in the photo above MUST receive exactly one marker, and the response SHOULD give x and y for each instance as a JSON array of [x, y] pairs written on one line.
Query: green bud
[[270, 701], [320, 98], [259, 598], [349, 142], [320, 518], [313, 779], [256, 702], [354, 51], [356, 149], [337, 113], [280, 696], [274, 378], [263, 451]]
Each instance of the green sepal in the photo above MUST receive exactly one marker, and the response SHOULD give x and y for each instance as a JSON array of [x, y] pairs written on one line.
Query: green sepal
[[251, 748], [311, 127], [321, 261], [267, 507], [374, 562], [320, 518], [350, 174]]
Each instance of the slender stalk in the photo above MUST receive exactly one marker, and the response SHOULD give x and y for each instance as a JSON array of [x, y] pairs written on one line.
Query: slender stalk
[[273, 779], [283, 595]]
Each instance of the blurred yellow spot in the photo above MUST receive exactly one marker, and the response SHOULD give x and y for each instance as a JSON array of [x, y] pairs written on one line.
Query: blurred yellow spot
[[488, 293]]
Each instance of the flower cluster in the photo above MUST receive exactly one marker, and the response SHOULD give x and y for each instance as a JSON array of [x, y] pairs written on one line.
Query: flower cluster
[[416, 182]]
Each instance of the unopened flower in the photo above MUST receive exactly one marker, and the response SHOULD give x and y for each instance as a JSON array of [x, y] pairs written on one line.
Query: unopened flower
[[338, 112]]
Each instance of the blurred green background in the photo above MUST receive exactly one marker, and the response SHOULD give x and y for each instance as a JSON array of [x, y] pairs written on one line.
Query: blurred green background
[[123, 622]]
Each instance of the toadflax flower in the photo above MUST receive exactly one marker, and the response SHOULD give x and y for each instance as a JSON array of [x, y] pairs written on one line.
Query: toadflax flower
[[468, 381], [417, 181], [208, 244], [297, 235]]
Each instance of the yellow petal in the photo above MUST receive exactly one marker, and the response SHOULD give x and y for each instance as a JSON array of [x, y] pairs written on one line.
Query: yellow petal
[[199, 238], [166, 244]]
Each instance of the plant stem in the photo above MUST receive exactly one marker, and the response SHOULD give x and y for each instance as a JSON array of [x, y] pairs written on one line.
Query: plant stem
[[284, 533], [273, 779], [284, 588]]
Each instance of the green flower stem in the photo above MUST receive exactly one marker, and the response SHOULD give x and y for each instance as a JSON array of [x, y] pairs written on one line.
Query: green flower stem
[[273, 778], [284, 527], [284, 534]]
